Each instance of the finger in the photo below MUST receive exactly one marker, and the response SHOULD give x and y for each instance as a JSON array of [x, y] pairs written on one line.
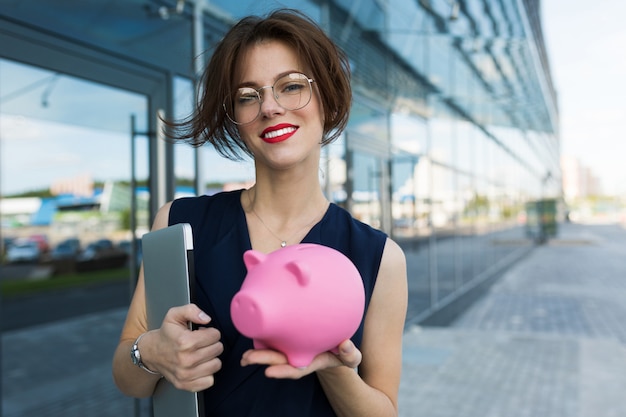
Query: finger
[[349, 355], [195, 385], [206, 336], [286, 372], [204, 354], [263, 357], [199, 346], [195, 315], [188, 313], [203, 369], [322, 361], [197, 377]]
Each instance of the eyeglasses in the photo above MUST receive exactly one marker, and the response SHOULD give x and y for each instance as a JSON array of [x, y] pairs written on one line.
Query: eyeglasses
[[292, 92]]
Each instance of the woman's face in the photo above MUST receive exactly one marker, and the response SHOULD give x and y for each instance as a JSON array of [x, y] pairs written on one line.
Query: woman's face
[[279, 138]]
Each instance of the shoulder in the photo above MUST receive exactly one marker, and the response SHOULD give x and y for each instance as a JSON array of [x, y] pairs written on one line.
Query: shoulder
[[161, 219], [393, 261], [188, 208], [392, 283], [391, 277], [194, 202], [390, 296]]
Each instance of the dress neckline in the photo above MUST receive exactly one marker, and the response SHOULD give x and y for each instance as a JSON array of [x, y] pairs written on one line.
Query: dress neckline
[[308, 237]]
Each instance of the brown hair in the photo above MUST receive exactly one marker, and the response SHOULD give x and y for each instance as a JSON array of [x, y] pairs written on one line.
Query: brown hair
[[329, 65]]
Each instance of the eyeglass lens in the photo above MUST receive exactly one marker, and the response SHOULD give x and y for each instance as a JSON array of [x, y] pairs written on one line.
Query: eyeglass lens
[[291, 92]]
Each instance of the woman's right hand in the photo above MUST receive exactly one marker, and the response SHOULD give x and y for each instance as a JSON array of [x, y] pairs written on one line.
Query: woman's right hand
[[186, 358]]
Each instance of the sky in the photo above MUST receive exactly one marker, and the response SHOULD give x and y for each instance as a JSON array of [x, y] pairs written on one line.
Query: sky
[[586, 43]]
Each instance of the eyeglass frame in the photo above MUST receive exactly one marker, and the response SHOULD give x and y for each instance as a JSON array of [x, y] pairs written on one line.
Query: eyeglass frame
[[258, 92]]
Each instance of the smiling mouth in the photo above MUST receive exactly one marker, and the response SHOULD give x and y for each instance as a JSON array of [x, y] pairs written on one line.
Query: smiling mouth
[[279, 135]]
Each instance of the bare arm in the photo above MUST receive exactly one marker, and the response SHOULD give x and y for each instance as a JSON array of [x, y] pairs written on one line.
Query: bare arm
[[374, 390], [187, 359]]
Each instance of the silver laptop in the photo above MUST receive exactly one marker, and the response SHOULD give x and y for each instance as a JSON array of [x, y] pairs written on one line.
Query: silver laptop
[[168, 275]]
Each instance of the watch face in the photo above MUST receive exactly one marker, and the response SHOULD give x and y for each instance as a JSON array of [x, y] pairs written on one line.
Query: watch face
[[134, 354]]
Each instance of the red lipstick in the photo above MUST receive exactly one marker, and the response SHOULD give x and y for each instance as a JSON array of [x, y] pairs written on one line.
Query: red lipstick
[[278, 133]]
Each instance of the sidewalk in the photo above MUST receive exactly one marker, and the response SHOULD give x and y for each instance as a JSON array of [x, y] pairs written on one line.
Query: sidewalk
[[548, 340]]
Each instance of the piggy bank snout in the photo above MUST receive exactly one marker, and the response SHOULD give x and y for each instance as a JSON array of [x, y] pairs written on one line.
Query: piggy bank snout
[[246, 314]]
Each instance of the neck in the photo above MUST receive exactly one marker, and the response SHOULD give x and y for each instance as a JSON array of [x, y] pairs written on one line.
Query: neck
[[284, 207], [287, 196], [276, 219]]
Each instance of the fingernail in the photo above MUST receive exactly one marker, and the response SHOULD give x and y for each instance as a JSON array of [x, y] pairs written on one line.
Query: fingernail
[[347, 348], [204, 316]]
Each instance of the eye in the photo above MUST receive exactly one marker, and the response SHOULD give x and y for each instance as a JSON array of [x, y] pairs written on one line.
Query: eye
[[246, 97], [292, 87]]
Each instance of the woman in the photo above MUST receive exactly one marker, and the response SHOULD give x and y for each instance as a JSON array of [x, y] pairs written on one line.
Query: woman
[[277, 89]]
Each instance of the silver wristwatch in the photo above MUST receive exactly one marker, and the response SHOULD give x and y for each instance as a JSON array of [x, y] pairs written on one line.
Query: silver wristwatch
[[136, 356]]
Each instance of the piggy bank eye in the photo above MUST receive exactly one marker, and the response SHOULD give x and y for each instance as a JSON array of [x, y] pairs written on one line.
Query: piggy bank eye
[[300, 271]]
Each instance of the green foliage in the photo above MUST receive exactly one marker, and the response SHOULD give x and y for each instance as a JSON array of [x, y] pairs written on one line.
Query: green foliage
[[125, 219], [477, 204], [43, 193]]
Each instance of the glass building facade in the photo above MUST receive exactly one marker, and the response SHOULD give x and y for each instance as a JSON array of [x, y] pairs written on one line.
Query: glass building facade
[[453, 130], [454, 126]]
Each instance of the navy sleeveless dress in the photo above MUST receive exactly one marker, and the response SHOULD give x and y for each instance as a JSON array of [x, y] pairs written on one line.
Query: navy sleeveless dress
[[221, 237]]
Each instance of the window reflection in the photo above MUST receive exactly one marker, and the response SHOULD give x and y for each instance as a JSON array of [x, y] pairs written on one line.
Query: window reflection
[[66, 173], [184, 154], [366, 194]]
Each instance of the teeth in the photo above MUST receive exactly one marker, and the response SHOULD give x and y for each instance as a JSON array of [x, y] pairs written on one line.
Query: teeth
[[279, 132]]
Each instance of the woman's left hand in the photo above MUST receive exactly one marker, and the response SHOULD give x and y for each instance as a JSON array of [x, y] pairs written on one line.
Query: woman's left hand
[[278, 366]]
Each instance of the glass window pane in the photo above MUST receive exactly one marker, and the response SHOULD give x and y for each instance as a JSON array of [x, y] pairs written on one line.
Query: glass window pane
[[66, 171], [184, 154], [366, 204]]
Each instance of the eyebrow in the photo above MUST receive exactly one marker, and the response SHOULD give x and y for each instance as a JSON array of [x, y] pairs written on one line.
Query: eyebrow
[[282, 74]]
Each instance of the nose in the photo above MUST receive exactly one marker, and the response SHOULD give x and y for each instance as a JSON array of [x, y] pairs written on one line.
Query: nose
[[269, 104]]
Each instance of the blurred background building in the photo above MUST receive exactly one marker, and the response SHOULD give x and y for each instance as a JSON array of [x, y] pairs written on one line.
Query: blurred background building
[[579, 181], [453, 131]]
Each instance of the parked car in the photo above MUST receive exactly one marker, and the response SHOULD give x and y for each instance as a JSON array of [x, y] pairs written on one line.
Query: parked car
[[42, 242], [101, 254], [6, 242], [67, 249], [23, 251], [126, 247], [98, 249]]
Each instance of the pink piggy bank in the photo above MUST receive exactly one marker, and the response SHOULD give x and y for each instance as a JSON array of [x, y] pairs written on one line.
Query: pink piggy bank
[[301, 300]]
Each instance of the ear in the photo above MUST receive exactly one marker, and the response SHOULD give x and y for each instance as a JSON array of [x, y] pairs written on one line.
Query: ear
[[252, 258], [300, 271]]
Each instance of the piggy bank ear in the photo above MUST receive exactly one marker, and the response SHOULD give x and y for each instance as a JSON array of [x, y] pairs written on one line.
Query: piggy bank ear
[[300, 271], [252, 258]]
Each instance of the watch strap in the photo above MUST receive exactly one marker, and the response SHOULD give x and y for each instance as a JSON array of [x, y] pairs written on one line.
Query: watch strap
[[136, 356]]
